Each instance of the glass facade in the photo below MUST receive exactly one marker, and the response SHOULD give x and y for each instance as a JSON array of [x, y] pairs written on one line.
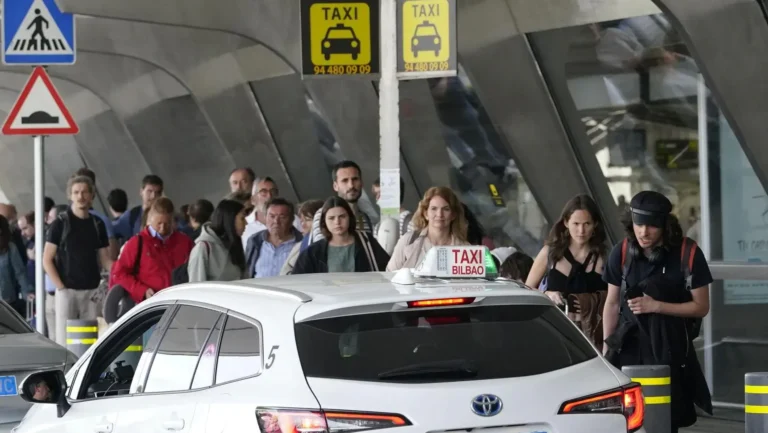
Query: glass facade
[[633, 98], [739, 340], [333, 154], [482, 170], [633, 85]]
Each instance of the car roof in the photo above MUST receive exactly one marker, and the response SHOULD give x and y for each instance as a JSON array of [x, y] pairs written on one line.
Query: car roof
[[320, 293]]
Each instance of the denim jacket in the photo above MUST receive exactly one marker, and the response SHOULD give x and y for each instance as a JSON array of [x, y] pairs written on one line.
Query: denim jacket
[[13, 275]]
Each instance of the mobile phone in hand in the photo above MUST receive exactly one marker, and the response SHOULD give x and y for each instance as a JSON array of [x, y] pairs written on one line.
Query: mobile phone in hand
[[635, 292]]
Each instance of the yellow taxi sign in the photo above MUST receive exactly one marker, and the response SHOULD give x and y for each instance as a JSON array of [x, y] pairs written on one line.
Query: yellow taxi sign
[[340, 37], [498, 200], [426, 38]]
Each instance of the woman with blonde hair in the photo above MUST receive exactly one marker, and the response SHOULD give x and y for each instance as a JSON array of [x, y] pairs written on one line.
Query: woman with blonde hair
[[438, 221]]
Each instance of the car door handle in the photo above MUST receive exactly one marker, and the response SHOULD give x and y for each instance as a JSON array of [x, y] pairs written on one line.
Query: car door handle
[[103, 428], [174, 424]]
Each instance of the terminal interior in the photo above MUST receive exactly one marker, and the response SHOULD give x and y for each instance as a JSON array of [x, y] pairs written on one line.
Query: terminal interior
[[553, 98]]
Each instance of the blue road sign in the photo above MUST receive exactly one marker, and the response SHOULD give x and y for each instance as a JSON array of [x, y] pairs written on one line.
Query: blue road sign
[[36, 32]]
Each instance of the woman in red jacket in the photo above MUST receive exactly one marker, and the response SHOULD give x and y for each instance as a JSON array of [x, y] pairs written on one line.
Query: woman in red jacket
[[162, 251]]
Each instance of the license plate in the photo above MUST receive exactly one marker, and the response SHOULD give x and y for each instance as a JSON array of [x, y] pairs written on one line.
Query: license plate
[[8, 386]]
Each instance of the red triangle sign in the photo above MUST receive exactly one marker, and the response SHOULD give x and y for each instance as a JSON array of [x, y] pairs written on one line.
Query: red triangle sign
[[39, 110]]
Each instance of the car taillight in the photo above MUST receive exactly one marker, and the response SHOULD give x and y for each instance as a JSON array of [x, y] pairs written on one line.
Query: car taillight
[[627, 401], [440, 302], [318, 421]]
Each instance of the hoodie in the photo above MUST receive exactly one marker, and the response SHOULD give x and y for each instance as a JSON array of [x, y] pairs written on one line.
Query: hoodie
[[209, 260]]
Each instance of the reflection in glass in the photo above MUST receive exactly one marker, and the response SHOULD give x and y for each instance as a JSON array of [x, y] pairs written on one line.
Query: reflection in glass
[[637, 93], [240, 354], [207, 362], [333, 154], [738, 346], [176, 358], [482, 171], [635, 87]]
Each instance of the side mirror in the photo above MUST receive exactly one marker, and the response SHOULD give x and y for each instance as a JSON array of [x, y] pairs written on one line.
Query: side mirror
[[46, 387]]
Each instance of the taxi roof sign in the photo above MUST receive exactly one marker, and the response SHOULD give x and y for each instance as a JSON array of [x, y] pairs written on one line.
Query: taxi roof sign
[[457, 262]]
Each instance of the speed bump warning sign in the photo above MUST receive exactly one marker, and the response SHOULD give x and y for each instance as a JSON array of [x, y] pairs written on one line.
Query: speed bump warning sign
[[340, 37], [426, 38]]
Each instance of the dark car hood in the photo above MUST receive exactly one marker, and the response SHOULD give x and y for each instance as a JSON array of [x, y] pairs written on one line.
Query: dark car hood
[[28, 351]]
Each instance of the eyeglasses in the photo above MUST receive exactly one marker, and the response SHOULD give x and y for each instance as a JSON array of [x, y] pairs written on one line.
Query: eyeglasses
[[264, 191]]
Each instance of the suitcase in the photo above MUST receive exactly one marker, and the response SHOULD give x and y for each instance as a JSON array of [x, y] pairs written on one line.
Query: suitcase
[[30, 316]]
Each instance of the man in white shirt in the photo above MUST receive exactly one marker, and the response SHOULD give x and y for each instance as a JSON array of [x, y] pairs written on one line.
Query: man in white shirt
[[264, 189]]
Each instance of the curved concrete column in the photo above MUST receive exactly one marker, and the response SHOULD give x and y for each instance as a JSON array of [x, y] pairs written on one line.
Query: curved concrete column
[[724, 37], [216, 67], [275, 24], [508, 81], [163, 119]]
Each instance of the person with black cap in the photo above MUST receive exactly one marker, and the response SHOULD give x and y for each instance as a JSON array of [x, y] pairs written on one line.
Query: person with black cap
[[658, 291]]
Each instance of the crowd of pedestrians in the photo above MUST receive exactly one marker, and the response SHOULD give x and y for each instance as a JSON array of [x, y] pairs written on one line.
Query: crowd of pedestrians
[[640, 301]]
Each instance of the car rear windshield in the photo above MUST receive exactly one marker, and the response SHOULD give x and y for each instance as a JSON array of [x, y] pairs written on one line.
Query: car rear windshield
[[10, 323], [492, 342]]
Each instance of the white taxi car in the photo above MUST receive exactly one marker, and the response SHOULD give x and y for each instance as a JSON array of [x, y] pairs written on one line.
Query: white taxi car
[[414, 351]]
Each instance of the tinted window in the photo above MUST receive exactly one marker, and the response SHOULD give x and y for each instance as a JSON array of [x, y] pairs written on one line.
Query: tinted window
[[176, 358], [497, 341], [111, 371], [10, 323], [240, 354], [207, 362]]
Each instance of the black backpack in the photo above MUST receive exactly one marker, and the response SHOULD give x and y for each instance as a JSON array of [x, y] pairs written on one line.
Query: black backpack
[[180, 275], [118, 301]]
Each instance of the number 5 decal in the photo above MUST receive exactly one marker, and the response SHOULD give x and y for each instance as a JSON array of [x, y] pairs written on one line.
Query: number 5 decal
[[271, 357]]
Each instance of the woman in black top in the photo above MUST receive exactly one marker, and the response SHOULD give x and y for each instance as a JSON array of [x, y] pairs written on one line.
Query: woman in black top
[[569, 268], [343, 249]]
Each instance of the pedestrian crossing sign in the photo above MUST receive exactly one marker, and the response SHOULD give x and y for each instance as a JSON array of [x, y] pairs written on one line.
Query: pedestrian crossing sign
[[36, 32]]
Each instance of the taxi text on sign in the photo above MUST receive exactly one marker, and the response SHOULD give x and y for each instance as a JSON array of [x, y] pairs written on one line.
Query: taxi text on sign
[[426, 38], [340, 37], [459, 262], [39, 110]]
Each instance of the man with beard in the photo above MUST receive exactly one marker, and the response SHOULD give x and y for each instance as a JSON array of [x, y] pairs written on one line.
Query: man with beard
[[264, 190], [75, 246], [348, 184], [242, 180]]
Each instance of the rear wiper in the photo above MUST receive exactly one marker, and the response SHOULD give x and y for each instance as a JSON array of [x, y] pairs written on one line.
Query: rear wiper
[[459, 369]]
